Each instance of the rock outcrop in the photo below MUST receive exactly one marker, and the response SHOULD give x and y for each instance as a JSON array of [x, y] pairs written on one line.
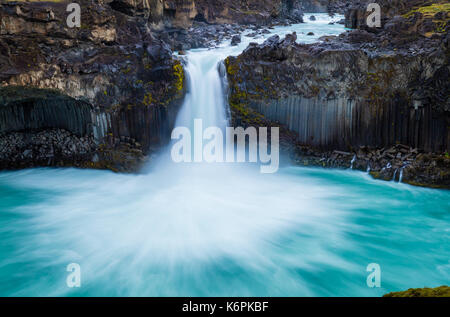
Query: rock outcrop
[[113, 83], [360, 93]]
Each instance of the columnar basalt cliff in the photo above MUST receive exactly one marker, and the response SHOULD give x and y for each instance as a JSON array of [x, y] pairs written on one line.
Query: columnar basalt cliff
[[109, 82], [376, 99]]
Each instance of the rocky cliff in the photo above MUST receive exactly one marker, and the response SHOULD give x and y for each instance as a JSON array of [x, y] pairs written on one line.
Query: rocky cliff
[[106, 94], [109, 82], [182, 13], [375, 99]]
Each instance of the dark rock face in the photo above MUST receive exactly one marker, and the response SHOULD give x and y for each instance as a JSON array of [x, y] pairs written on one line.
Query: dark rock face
[[335, 94], [323, 6], [356, 15], [361, 90], [236, 40], [116, 84], [183, 13], [24, 109], [206, 23]]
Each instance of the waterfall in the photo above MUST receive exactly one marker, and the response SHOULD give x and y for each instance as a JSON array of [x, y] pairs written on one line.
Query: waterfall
[[395, 174], [353, 161], [205, 98]]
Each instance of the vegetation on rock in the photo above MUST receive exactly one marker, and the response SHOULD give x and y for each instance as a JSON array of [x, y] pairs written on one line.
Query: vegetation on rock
[[442, 291]]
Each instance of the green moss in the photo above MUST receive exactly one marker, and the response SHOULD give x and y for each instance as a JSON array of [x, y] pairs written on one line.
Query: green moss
[[431, 10], [442, 291], [126, 70], [179, 74], [148, 99], [231, 68]]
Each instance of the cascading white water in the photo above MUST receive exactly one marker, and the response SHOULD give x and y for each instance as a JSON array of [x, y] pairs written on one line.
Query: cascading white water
[[205, 97], [205, 230]]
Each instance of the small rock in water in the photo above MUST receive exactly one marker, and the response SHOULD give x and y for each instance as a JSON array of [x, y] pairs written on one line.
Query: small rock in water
[[312, 18], [235, 40], [310, 34]]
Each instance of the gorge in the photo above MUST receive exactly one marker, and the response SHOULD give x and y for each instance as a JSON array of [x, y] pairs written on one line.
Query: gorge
[[107, 97]]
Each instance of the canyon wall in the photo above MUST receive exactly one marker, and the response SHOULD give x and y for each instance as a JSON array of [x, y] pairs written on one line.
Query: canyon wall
[[104, 94], [364, 92], [182, 13], [109, 82], [345, 98]]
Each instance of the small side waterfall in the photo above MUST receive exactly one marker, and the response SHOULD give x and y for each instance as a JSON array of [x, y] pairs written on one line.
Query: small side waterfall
[[395, 175], [353, 161], [401, 175]]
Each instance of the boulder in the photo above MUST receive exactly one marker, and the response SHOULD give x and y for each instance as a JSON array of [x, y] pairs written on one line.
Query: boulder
[[235, 40]]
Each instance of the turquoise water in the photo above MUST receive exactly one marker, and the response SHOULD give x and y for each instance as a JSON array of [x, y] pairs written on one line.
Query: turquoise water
[[214, 230], [218, 232]]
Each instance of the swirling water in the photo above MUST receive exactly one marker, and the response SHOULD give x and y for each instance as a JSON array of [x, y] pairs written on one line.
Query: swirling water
[[207, 230]]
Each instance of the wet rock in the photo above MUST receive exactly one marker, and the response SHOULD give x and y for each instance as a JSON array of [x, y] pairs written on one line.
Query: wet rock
[[442, 15], [235, 40], [312, 18], [109, 78]]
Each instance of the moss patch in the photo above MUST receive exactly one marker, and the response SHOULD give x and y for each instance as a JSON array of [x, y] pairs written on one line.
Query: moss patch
[[430, 11], [179, 74], [442, 291]]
